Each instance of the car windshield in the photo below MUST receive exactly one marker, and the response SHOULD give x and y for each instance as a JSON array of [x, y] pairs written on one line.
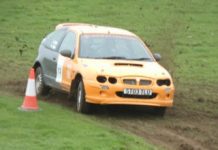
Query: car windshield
[[113, 47]]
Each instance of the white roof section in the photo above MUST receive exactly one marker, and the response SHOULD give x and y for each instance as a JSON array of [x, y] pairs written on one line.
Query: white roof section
[[93, 29]]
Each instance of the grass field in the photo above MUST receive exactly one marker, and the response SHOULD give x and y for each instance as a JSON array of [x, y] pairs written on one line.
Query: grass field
[[183, 31], [55, 127]]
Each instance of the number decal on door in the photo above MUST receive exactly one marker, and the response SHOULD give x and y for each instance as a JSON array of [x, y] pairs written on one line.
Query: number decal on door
[[59, 71]]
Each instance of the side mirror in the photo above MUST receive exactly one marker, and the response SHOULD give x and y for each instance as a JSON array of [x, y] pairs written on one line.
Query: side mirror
[[157, 56], [66, 53]]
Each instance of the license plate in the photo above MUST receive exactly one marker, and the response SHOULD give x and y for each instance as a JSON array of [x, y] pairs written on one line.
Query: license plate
[[137, 92]]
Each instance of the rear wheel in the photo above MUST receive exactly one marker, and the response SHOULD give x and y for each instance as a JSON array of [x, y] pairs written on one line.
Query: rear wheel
[[41, 88], [81, 104]]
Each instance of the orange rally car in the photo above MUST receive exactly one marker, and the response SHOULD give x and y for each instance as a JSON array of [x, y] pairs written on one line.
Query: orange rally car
[[102, 65]]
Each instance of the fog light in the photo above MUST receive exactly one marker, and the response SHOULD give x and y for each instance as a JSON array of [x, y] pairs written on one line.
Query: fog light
[[112, 80], [101, 79]]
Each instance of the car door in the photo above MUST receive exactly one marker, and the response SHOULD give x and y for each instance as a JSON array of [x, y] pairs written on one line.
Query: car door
[[51, 45], [65, 67]]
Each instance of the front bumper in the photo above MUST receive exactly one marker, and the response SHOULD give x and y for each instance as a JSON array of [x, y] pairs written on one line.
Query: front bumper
[[98, 94]]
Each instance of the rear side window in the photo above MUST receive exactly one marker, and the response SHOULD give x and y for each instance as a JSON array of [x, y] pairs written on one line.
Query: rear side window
[[53, 40], [69, 43]]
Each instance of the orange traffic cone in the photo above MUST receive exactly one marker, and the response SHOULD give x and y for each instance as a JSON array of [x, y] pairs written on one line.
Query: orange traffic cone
[[30, 100]]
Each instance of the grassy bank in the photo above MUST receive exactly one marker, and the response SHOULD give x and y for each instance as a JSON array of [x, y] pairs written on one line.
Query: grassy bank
[[55, 127], [184, 32]]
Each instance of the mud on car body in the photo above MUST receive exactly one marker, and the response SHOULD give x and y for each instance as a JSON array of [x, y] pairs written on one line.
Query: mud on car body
[[102, 65]]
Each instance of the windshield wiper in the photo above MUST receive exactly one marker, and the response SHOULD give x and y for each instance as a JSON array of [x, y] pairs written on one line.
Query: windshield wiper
[[112, 57], [120, 57], [142, 58]]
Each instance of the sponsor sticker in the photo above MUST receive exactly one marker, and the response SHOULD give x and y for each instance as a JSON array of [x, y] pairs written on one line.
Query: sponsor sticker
[[59, 70]]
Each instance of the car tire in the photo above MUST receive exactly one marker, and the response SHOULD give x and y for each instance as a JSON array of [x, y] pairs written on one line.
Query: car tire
[[41, 88], [81, 105], [160, 111]]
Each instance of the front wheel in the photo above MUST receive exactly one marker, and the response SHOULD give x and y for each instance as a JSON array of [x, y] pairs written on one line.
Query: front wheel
[[81, 104]]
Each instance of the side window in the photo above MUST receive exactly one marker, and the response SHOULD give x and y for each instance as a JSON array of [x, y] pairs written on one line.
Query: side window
[[69, 43], [53, 40]]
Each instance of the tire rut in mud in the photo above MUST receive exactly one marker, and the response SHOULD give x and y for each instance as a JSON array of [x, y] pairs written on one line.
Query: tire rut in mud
[[175, 131]]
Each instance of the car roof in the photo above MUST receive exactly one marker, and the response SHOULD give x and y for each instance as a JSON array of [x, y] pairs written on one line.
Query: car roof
[[93, 29]]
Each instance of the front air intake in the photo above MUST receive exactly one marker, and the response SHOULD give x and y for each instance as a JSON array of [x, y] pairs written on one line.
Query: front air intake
[[122, 95]]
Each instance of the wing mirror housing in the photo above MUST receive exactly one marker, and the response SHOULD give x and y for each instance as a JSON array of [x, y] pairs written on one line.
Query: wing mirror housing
[[157, 56], [66, 53]]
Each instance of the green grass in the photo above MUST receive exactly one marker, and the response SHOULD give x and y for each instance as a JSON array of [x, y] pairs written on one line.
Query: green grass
[[185, 28], [183, 31], [55, 127]]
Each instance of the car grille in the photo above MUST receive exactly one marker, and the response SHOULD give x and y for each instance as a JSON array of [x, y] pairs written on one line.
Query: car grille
[[144, 82], [121, 94], [129, 81], [134, 82]]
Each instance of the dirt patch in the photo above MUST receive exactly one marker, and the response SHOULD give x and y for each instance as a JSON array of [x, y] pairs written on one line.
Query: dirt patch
[[58, 97], [17, 87]]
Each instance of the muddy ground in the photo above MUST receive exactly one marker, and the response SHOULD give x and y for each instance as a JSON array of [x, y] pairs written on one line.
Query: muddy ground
[[180, 129]]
